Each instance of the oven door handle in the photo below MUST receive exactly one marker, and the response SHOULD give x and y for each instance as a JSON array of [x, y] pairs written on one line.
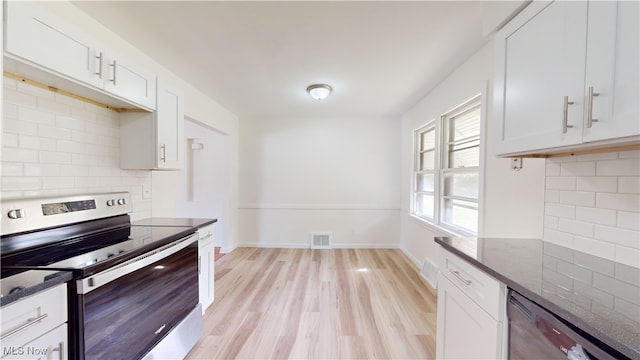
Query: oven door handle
[[93, 282]]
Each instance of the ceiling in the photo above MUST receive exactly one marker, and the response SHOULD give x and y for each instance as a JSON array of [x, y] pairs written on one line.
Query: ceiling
[[257, 58]]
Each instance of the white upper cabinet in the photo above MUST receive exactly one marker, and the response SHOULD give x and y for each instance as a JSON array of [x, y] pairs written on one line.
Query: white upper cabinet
[[43, 47], [612, 70], [547, 60], [128, 80], [36, 35], [154, 140]]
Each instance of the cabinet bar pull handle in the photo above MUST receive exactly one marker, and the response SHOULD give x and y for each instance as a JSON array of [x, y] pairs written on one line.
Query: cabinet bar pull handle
[[30, 322], [114, 72], [99, 72], [565, 114], [163, 153], [60, 349], [457, 274], [590, 119], [199, 261]]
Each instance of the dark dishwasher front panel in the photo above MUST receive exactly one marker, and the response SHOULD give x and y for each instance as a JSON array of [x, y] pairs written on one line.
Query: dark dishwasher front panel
[[535, 333], [124, 319]]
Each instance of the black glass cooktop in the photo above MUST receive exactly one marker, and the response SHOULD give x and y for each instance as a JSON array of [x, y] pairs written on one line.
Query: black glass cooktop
[[87, 256]]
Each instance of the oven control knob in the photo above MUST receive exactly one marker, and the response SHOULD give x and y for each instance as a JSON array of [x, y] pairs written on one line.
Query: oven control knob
[[111, 202], [16, 213], [122, 201]]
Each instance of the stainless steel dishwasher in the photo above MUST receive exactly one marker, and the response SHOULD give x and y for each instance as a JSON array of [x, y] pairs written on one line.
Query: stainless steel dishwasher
[[535, 333]]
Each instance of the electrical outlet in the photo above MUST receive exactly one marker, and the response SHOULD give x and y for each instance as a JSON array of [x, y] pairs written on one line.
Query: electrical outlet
[[146, 191]]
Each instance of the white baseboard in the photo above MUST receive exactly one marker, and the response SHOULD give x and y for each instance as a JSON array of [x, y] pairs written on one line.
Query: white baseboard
[[307, 246]]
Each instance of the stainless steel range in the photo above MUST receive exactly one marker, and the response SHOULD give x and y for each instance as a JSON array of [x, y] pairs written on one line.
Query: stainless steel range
[[134, 290]]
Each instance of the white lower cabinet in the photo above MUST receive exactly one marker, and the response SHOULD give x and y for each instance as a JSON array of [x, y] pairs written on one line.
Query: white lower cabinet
[[206, 257], [472, 321], [36, 326]]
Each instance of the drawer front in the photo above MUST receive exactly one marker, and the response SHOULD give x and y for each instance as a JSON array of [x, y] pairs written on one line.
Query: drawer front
[[484, 290], [50, 346], [205, 234], [30, 318]]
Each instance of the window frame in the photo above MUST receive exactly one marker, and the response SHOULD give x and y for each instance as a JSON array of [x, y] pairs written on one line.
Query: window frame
[[441, 168]]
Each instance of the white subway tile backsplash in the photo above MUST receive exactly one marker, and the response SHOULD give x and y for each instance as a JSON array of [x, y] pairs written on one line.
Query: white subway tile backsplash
[[54, 157], [578, 168], [580, 198], [594, 263], [629, 184], [552, 196], [57, 145], [618, 236], [595, 247], [576, 227], [69, 123], [629, 220], [551, 222], [624, 202], [628, 274], [9, 140], [558, 237], [596, 212], [552, 168], [54, 132], [560, 183], [10, 183], [622, 167], [37, 116], [52, 106], [596, 216], [36, 143], [628, 256], [560, 210], [12, 169], [19, 127], [19, 155], [13, 96], [597, 183]]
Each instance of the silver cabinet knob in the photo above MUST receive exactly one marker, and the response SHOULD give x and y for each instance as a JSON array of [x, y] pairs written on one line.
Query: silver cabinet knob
[[16, 213]]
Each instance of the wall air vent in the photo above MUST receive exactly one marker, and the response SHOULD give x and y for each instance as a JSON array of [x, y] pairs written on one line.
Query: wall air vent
[[321, 240], [429, 272]]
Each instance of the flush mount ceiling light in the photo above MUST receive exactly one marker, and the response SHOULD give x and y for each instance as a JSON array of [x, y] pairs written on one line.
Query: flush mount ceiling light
[[319, 91]]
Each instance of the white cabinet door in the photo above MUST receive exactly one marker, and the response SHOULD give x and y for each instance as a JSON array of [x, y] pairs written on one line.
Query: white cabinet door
[[540, 58], [612, 70], [129, 81], [34, 34], [52, 345], [206, 253], [465, 330], [170, 113], [154, 140]]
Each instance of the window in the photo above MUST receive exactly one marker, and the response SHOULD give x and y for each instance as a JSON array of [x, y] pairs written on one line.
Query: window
[[446, 170]]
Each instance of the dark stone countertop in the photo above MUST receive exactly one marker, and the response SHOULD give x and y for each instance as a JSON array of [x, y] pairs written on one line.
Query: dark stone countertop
[[37, 280], [186, 222], [599, 296]]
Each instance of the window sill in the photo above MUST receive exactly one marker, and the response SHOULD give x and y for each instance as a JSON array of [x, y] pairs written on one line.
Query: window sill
[[439, 230]]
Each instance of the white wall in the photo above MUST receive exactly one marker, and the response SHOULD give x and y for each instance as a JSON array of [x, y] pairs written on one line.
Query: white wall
[[592, 204], [300, 175], [56, 145], [511, 203], [203, 187]]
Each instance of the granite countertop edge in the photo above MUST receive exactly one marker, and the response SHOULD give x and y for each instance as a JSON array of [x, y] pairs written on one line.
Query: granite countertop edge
[[607, 338], [64, 277]]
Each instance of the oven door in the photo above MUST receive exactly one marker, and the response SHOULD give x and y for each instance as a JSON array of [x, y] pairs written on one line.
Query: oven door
[[126, 310]]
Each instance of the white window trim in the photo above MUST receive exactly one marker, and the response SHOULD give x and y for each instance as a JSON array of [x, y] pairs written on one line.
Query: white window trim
[[435, 222]]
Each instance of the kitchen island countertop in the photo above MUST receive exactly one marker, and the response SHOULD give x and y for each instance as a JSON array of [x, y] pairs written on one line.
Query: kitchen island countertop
[[599, 296]]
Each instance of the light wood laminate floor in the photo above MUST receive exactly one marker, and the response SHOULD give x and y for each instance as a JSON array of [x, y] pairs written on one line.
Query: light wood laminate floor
[[318, 304]]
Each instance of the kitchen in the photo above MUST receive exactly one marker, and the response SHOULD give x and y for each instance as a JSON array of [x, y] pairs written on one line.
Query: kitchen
[[270, 205]]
